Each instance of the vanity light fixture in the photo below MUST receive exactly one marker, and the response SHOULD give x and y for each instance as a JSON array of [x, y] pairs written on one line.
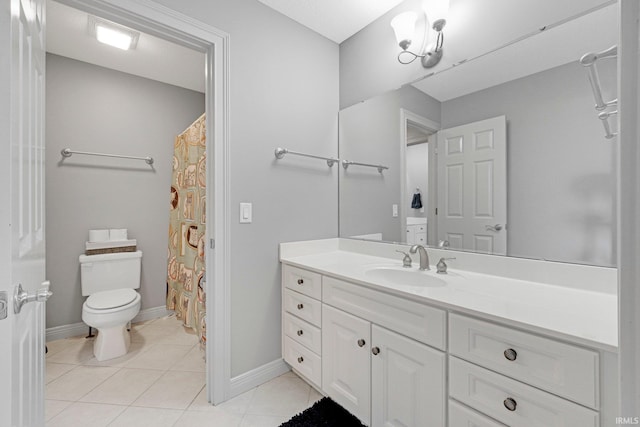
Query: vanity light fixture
[[113, 34], [404, 27]]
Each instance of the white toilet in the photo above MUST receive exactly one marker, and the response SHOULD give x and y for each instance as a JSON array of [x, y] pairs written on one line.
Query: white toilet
[[110, 281]]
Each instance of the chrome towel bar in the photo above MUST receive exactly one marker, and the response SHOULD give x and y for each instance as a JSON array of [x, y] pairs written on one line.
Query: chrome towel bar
[[588, 60], [67, 152], [280, 153], [347, 163]]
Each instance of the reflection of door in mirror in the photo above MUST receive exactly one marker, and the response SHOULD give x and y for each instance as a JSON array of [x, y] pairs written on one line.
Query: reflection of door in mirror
[[472, 186], [417, 145]]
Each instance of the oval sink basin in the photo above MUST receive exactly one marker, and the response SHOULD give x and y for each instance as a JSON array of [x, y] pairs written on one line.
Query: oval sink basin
[[402, 276]]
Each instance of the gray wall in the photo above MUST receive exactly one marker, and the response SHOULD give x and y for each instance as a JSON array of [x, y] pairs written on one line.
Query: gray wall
[[368, 64], [90, 108], [560, 169], [284, 92], [370, 133]]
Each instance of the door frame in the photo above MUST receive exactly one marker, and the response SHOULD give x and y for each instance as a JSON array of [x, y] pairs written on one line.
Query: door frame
[[163, 22], [430, 126]]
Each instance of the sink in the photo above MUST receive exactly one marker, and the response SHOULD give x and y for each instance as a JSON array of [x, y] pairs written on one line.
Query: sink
[[405, 276]]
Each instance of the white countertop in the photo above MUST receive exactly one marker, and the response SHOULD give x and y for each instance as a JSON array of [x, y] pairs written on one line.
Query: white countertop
[[586, 317]]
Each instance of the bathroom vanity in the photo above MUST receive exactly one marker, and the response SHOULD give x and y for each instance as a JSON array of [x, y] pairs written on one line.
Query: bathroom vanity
[[533, 344]]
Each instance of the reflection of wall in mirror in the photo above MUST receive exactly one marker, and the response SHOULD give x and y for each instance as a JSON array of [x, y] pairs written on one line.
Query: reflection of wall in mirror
[[417, 178], [561, 170], [370, 133]]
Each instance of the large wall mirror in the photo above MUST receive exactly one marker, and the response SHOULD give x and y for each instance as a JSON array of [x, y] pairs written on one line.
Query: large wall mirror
[[502, 154]]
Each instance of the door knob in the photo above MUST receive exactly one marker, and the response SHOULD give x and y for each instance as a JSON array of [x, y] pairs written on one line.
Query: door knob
[[496, 227], [21, 297]]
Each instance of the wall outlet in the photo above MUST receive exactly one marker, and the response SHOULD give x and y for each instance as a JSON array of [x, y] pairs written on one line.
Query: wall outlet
[[394, 210]]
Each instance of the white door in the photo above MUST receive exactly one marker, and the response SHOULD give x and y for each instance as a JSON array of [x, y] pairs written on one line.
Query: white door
[[346, 361], [22, 254], [408, 382], [472, 186]]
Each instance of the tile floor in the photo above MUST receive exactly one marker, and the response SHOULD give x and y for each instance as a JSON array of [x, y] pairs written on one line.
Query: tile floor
[[160, 382]]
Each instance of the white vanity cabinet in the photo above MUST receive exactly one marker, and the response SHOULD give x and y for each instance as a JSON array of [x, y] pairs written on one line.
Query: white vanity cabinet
[[395, 361]]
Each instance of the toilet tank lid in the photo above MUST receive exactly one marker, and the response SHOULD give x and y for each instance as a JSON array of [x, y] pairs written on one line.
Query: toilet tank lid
[[111, 299], [109, 257]]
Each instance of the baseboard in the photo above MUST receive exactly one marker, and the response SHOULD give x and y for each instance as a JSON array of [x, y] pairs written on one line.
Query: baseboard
[[77, 329], [257, 376]]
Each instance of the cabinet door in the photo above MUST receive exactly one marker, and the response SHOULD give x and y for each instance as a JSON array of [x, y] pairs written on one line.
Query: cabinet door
[[407, 382], [411, 235], [346, 361]]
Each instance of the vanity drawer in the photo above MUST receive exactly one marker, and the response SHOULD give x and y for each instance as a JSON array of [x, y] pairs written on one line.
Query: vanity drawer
[[303, 360], [303, 332], [491, 393], [562, 369], [303, 281], [461, 416], [414, 320], [304, 307]]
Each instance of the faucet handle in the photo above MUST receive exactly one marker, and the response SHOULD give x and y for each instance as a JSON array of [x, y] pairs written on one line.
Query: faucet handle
[[441, 267], [406, 261]]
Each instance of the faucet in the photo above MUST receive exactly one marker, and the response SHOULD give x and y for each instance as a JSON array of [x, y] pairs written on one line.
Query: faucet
[[424, 257], [406, 261], [442, 265]]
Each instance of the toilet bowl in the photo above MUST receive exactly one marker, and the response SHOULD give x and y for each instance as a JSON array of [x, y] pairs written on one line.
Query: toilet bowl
[[110, 282], [109, 312]]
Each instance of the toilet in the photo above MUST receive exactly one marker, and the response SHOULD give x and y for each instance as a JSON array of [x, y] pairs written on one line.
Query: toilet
[[110, 281]]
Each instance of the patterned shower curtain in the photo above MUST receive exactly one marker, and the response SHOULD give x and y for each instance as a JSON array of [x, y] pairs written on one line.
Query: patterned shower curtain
[[187, 219]]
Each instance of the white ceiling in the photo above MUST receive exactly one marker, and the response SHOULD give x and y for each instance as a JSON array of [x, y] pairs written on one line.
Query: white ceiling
[[553, 47], [337, 20], [153, 58]]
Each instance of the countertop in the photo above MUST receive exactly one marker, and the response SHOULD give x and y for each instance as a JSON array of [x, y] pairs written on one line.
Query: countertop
[[581, 316]]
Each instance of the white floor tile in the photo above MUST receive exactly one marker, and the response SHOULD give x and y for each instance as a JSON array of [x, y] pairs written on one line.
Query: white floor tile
[[55, 370], [237, 405], [174, 390], [158, 356], [147, 417], [124, 387], [263, 420], [75, 353], [86, 414], [314, 396], [283, 396], [54, 407], [193, 361], [215, 418], [77, 382]]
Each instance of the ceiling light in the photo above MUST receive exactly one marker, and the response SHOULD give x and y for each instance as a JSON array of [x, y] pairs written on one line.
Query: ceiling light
[[113, 34], [404, 27]]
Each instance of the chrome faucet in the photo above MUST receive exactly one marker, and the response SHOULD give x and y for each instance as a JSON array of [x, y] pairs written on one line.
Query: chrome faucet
[[424, 257]]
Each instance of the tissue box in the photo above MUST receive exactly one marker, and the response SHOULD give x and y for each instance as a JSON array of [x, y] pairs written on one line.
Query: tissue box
[[98, 235], [116, 234]]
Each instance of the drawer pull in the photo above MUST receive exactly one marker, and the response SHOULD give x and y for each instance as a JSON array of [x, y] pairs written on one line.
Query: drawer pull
[[301, 359], [300, 332], [361, 342], [300, 281], [510, 354], [300, 306], [510, 404], [375, 351]]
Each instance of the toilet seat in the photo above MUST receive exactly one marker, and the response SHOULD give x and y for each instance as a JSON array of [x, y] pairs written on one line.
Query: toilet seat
[[109, 300]]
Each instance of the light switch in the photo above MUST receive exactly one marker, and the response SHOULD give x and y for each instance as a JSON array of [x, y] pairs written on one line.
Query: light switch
[[394, 209], [246, 213]]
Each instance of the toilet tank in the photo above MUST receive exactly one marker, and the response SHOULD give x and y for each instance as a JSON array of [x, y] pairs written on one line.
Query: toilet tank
[[105, 272]]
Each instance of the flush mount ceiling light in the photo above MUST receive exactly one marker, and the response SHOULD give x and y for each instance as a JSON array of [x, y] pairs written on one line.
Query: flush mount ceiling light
[[404, 26], [112, 34]]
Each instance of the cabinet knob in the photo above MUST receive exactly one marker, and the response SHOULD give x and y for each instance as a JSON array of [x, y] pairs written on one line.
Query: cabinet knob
[[300, 281], [300, 306], [361, 342], [375, 351], [510, 404], [300, 332], [510, 354], [301, 359]]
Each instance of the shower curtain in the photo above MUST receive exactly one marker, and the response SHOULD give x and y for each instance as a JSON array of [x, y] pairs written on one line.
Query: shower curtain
[[187, 219]]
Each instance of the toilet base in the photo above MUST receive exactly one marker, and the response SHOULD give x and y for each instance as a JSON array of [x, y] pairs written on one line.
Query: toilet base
[[111, 343]]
